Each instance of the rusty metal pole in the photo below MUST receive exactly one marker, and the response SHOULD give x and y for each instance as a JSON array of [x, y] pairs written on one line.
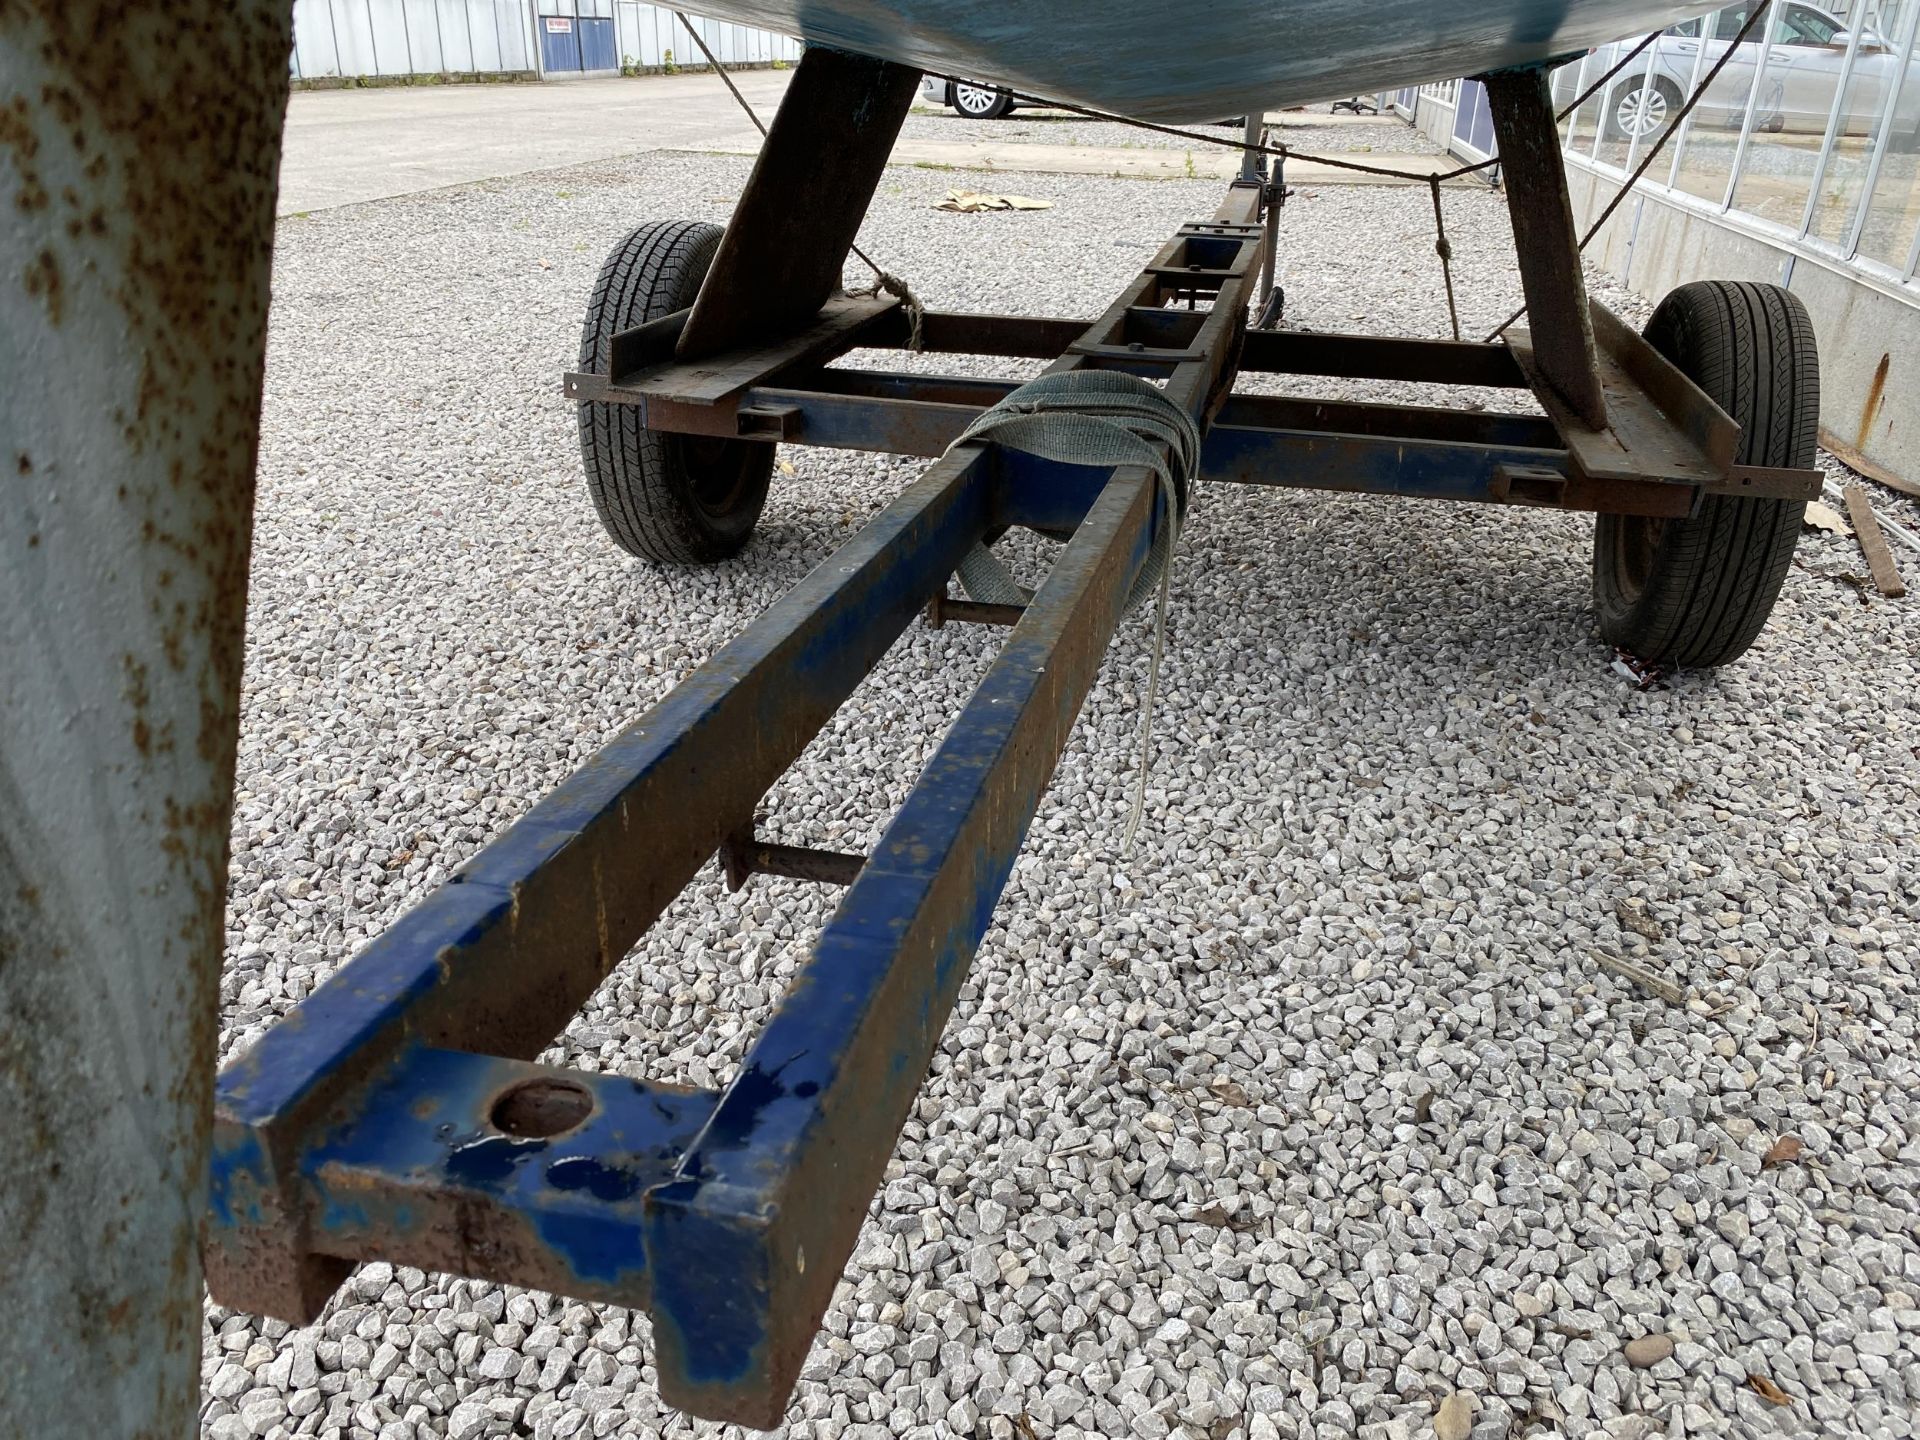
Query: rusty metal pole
[[139, 149], [1544, 237]]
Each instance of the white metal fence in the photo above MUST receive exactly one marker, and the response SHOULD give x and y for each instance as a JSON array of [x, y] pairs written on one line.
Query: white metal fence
[[345, 38], [1809, 136]]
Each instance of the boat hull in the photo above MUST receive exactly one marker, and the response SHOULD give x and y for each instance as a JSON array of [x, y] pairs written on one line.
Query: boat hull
[[1190, 63]]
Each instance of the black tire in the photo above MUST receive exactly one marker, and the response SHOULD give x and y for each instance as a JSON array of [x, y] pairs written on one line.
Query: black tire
[[1622, 113], [979, 102], [1696, 592], [672, 499]]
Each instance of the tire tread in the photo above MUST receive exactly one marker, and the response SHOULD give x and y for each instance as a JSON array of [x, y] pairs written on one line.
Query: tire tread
[[1717, 575], [630, 469]]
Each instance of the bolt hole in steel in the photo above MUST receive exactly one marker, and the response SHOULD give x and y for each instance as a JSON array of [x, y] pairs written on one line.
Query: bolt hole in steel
[[541, 1109]]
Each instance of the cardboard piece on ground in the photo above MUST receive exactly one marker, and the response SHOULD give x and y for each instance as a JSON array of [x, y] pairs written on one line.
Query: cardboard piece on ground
[[1825, 517], [971, 202]]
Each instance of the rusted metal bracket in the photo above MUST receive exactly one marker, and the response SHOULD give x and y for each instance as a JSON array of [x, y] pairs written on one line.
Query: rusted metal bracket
[[1661, 426], [943, 608], [744, 854], [1545, 239], [1769, 482], [645, 368]]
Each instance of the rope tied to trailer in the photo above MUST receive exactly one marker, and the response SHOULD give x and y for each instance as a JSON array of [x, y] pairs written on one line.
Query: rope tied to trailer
[[885, 281], [1102, 418]]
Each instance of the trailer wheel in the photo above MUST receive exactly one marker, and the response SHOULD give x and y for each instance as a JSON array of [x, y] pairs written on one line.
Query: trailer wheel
[[1696, 592], [673, 499]]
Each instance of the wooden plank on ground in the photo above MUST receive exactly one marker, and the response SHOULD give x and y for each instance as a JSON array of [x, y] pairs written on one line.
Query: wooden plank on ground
[[1873, 544]]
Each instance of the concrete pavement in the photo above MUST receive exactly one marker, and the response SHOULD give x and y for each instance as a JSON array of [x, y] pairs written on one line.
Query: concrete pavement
[[347, 146], [344, 147]]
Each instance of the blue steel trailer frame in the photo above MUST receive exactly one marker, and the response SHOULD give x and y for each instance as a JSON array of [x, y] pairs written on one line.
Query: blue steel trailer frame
[[397, 1113]]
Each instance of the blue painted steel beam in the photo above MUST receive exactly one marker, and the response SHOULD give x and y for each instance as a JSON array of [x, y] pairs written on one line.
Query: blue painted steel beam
[[502, 1170], [1429, 469], [501, 957], [366, 1125], [1364, 464], [751, 1240]]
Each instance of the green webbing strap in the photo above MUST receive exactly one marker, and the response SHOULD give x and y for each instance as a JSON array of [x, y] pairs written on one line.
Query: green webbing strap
[[1091, 417], [1098, 417]]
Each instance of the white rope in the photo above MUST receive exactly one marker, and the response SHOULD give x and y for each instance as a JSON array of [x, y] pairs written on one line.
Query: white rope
[[891, 284]]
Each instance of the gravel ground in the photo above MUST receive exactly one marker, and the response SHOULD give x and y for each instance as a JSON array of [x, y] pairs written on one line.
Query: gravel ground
[[1316, 1116]]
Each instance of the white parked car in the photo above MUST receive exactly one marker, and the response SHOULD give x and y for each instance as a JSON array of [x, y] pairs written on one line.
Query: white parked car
[[977, 102], [1796, 93]]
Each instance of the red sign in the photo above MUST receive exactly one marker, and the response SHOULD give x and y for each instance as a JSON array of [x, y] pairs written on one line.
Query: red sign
[[559, 25]]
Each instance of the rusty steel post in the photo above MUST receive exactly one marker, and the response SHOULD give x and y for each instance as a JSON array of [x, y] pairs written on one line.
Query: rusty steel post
[[139, 149], [1544, 238]]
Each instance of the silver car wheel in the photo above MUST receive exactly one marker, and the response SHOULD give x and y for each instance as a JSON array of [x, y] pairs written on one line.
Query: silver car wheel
[[973, 100], [1642, 111]]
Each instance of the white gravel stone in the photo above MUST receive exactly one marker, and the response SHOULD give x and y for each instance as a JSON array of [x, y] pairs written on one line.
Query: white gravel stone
[[1307, 1115]]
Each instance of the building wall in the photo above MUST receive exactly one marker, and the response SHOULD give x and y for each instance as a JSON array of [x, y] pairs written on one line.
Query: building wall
[[340, 39], [1868, 330], [1800, 166], [344, 38], [1804, 172]]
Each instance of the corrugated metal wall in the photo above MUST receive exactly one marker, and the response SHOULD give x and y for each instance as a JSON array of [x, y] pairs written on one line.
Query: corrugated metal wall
[[647, 32], [338, 38]]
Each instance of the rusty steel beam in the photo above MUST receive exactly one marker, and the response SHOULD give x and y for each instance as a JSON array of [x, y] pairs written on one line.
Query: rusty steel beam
[[139, 150], [1545, 238], [788, 238], [370, 1123]]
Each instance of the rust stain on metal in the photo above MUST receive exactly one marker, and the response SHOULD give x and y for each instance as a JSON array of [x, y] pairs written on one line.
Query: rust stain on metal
[[139, 147], [1876, 397], [42, 280]]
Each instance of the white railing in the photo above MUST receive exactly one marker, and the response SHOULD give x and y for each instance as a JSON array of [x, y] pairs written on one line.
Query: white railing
[[1809, 136]]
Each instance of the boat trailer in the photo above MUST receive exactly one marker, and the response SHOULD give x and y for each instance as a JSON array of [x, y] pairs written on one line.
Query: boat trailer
[[398, 1114]]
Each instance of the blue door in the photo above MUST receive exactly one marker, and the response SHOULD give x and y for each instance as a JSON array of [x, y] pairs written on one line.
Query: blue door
[[598, 49], [559, 38]]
